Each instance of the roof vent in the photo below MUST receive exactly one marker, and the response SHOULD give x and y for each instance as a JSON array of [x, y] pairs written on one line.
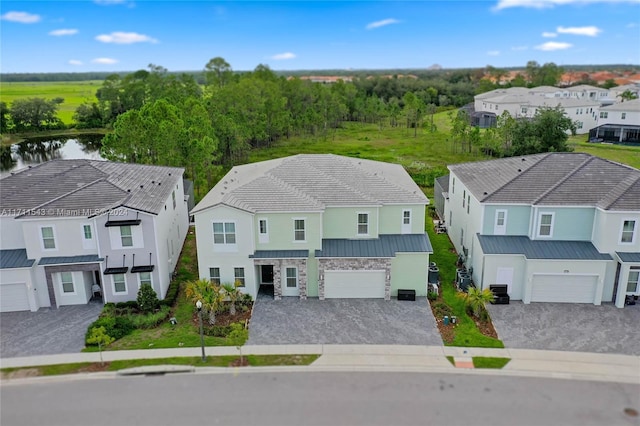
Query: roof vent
[[235, 171], [169, 173], [153, 181], [128, 190], [524, 159], [519, 170], [485, 193], [141, 186]]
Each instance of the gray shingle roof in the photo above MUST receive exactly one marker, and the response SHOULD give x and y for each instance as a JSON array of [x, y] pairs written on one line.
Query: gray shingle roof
[[629, 256], [632, 105], [537, 249], [279, 254], [443, 181], [60, 187], [385, 246], [311, 182], [58, 260], [15, 258], [575, 179]]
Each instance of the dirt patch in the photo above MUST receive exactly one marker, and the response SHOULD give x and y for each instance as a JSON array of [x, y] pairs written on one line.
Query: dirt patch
[[239, 363], [225, 318], [21, 373], [94, 368]]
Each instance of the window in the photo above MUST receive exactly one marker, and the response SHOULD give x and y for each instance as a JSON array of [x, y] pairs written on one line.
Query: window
[[462, 237], [125, 236], [145, 278], [224, 233], [450, 218], [238, 274], [628, 231], [119, 283], [48, 239], [67, 282], [468, 203], [453, 186], [292, 277], [214, 275], [579, 124], [464, 197], [545, 228], [604, 114], [86, 229], [173, 197], [363, 223], [298, 230], [406, 217], [632, 281], [624, 115], [263, 231], [523, 110], [263, 226]]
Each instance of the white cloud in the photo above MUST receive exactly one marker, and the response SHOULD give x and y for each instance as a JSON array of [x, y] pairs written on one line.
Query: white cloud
[[584, 31], [493, 53], [549, 35], [519, 48], [75, 62], [21, 17], [283, 56], [553, 45], [104, 61], [383, 23], [542, 4], [63, 32], [125, 38], [632, 25]]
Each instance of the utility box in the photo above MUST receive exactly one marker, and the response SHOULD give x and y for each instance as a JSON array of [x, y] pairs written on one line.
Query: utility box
[[407, 295]]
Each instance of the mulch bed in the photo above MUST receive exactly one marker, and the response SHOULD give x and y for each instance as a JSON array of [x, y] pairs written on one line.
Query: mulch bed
[[94, 368], [225, 318], [237, 363]]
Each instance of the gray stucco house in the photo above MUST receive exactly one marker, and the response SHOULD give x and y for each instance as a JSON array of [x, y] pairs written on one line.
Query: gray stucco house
[[71, 230]]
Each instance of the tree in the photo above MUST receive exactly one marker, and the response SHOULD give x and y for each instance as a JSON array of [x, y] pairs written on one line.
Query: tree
[[217, 72], [4, 117], [99, 337], [232, 294], [546, 132], [628, 95], [34, 113], [88, 116], [237, 337], [476, 299], [147, 298], [208, 293]]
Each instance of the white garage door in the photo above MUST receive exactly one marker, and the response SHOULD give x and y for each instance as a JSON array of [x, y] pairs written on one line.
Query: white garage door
[[354, 284], [13, 297], [564, 288]]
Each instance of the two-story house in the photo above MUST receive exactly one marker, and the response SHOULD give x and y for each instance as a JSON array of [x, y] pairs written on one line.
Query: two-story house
[[72, 229], [618, 123], [323, 226], [553, 227]]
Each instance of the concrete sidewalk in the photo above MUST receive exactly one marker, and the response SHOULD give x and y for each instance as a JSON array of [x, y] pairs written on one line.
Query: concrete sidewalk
[[524, 362]]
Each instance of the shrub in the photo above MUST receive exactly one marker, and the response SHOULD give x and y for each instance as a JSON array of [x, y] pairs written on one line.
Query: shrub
[[217, 330], [131, 304], [147, 298], [432, 295], [172, 294], [116, 327], [150, 320]]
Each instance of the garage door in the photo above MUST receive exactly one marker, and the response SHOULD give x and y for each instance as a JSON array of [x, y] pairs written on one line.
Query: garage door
[[13, 297], [564, 288], [354, 284]]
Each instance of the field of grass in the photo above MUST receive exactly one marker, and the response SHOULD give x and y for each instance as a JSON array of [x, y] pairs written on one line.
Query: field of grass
[[74, 93]]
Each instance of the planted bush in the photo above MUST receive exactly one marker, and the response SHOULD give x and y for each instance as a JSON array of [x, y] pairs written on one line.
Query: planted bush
[[172, 294], [147, 298], [116, 327], [151, 319]]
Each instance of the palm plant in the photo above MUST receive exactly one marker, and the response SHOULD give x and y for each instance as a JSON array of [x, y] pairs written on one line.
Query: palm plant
[[476, 299], [208, 293], [232, 295]]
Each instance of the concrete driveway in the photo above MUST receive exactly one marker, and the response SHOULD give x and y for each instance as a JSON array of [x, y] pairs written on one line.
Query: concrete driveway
[[47, 331], [342, 321], [568, 327]]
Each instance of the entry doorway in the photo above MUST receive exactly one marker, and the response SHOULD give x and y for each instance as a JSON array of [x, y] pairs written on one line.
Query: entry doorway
[[266, 281]]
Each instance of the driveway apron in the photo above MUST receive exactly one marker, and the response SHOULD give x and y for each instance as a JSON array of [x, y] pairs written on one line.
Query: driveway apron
[[47, 331], [568, 327], [342, 321]]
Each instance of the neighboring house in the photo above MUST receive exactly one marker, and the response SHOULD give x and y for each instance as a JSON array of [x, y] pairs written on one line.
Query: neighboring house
[[554, 227], [323, 226], [70, 225], [618, 123], [617, 91]]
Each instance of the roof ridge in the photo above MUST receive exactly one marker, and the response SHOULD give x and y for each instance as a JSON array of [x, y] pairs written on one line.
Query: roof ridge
[[546, 155], [381, 175], [564, 179], [632, 181]]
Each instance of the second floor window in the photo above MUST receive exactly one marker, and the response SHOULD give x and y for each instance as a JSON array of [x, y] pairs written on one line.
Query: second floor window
[[604, 114], [125, 236], [363, 223], [224, 233], [406, 217], [464, 197], [48, 239], [546, 225], [628, 231], [298, 230], [87, 232], [624, 115], [173, 197], [214, 275]]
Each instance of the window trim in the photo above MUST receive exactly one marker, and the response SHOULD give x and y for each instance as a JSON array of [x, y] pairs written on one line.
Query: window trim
[[125, 236], [296, 277], [55, 239], [358, 224], [62, 282], [140, 279], [304, 229], [635, 269], [113, 284], [503, 227], [225, 243], [211, 276], [242, 279], [551, 225], [634, 233], [263, 237]]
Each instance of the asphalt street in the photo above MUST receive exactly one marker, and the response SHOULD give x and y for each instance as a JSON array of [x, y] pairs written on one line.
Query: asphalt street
[[293, 398]]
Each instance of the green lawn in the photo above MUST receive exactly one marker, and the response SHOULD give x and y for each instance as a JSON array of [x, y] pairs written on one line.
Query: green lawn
[[74, 93], [489, 362]]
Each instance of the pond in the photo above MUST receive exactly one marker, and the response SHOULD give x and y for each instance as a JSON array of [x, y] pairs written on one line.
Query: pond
[[37, 150]]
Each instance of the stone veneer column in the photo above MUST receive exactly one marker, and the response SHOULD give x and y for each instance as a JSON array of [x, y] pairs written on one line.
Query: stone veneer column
[[302, 278], [277, 281]]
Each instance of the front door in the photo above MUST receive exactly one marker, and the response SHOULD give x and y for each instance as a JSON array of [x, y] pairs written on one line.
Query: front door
[[290, 281], [266, 274]]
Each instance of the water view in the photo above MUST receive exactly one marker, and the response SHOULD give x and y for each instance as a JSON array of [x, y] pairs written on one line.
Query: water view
[[37, 150]]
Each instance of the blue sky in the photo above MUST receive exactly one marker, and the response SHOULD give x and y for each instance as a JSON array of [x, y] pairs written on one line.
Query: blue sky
[[124, 35]]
